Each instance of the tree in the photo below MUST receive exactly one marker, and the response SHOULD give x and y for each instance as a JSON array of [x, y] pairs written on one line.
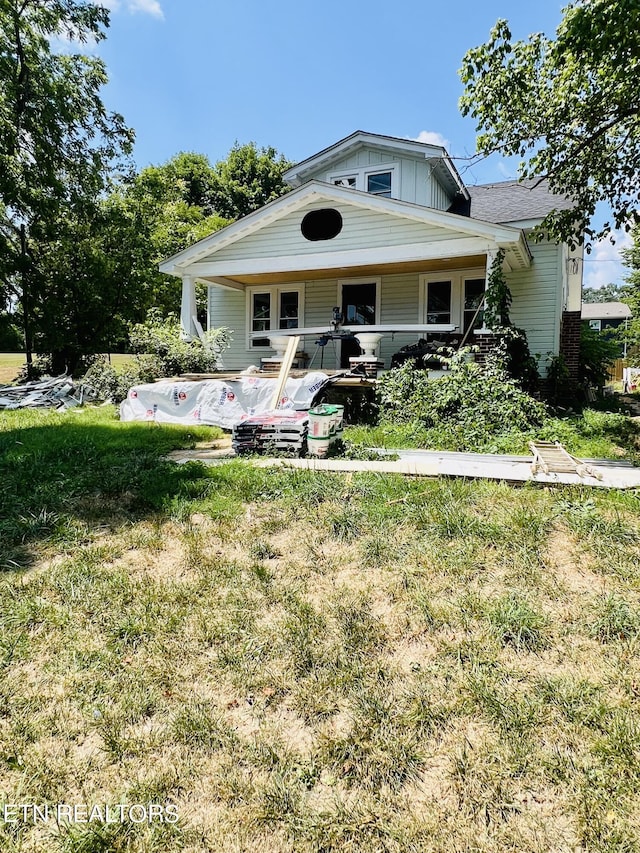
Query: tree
[[57, 141], [631, 257], [249, 178], [606, 293], [569, 107]]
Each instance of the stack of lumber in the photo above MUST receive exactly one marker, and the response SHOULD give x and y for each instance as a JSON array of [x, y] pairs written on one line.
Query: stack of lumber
[[58, 392]]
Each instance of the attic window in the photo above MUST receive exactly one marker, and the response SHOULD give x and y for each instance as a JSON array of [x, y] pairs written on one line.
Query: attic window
[[324, 224]]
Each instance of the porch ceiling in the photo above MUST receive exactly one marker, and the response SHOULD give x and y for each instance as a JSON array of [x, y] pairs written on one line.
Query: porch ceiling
[[395, 268]]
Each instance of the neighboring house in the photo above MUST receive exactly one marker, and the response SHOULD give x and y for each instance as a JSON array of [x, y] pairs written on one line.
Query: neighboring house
[[385, 230], [607, 315]]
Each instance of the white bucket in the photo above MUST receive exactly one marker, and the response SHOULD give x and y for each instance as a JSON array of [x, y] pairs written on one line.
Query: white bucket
[[322, 422], [338, 419], [319, 446]]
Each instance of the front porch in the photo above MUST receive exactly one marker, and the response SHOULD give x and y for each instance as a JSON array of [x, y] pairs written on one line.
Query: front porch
[[386, 263]]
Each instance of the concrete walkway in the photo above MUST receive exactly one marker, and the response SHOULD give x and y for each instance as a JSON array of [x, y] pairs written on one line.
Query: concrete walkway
[[428, 463]]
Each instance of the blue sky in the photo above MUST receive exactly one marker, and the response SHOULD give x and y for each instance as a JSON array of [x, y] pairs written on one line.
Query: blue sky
[[197, 75]]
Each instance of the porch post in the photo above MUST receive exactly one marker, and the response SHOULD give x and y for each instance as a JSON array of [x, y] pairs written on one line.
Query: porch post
[[491, 256], [188, 308], [484, 338]]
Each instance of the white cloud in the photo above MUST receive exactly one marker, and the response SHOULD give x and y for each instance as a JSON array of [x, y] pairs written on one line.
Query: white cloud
[[604, 264], [432, 137], [148, 7]]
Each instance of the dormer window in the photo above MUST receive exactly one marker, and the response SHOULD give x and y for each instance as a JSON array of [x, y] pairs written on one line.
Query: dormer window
[[377, 180], [379, 184]]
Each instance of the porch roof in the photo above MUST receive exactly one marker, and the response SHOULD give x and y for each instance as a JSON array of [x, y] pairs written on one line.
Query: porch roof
[[465, 242]]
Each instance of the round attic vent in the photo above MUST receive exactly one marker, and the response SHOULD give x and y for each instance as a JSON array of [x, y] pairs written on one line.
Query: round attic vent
[[324, 224]]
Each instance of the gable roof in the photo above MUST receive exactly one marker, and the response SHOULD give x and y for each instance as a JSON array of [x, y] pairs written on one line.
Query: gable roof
[[605, 311], [511, 238], [435, 154], [515, 201]]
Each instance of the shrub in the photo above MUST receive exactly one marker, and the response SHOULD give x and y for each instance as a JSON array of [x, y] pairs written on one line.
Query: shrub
[[161, 337], [467, 408], [159, 351]]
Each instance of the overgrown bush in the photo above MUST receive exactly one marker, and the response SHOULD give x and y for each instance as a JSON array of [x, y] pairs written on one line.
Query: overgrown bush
[[160, 337], [512, 355], [159, 351], [468, 408]]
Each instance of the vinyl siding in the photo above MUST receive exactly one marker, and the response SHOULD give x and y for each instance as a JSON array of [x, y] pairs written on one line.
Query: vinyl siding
[[361, 229], [537, 300], [440, 198], [228, 308], [416, 182], [536, 307]]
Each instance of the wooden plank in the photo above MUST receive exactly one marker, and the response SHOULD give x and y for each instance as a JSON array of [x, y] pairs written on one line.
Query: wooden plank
[[287, 361]]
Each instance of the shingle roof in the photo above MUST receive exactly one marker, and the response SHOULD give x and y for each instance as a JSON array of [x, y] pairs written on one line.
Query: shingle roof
[[514, 201], [605, 311]]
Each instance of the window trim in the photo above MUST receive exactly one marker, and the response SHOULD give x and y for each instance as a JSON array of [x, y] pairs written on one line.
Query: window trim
[[274, 291], [361, 173], [457, 279]]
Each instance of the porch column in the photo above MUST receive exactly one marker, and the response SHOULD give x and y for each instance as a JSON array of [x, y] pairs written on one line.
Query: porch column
[[484, 338], [491, 256], [188, 308]]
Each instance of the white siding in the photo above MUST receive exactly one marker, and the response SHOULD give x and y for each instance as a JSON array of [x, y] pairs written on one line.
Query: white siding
[[416, 182], [537, 294], [361, 229], [537, 300], [440, 198], [227, 308]]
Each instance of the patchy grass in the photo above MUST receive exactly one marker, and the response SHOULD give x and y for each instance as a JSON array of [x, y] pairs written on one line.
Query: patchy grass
[[12, 362], [304, 662]]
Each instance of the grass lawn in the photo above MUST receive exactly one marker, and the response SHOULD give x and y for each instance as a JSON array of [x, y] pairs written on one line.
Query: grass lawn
[[304, 662], [11, 362]]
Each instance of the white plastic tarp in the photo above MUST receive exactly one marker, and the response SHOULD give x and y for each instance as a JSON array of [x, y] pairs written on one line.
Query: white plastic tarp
[[217, 402]]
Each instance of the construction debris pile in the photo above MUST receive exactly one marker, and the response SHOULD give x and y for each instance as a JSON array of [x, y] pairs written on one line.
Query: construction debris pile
[[289, 432], [57, 392], [274, 431]]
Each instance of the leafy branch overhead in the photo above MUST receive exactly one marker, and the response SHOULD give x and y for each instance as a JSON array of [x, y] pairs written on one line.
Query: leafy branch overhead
[[569, 108]]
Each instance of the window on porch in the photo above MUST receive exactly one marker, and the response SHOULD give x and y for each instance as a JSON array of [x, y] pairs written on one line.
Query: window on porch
[[273, 308], [454, 298]]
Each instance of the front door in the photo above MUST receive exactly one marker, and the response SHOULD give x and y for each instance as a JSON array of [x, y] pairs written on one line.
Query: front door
[[358, 309]]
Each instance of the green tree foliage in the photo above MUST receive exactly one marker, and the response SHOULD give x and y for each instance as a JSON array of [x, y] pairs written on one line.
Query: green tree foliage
[[631, 257], [606, 293], [597, 352], [249, 178], [568, 107], [57, 141]]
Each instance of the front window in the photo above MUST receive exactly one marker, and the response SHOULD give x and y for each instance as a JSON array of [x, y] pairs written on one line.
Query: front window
[[438, 302], [455, 298], [289, 309], [270, 309], [346, 181], [473, 299]]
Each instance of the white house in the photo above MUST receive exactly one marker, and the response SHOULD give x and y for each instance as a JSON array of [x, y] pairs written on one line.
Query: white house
[[385, 230]]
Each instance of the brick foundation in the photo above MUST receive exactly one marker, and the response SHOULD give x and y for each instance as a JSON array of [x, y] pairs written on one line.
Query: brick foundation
[[570, 341]]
